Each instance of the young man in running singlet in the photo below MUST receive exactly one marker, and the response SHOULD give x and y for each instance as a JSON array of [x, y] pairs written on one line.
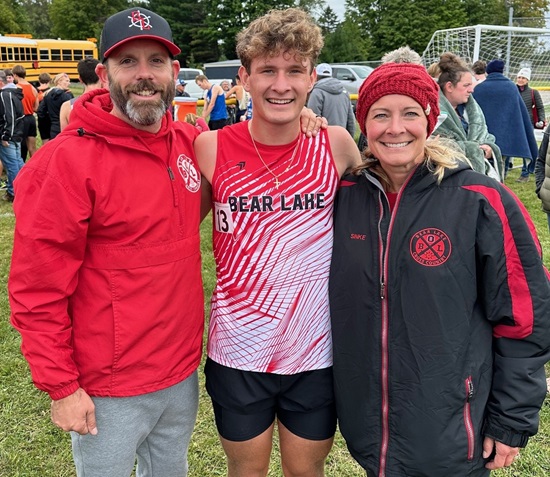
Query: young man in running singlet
[[214, 105], [272, 190]]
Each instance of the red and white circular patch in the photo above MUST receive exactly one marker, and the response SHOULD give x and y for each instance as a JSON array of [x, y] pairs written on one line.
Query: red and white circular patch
[[189, 172], [430, 247]]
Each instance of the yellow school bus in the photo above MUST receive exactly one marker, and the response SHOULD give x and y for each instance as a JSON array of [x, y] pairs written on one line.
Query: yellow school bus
[[20, 51], [62, 56], [45, 56]]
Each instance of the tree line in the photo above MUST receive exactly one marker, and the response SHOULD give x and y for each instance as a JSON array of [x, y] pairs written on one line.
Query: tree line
[[205, 29]]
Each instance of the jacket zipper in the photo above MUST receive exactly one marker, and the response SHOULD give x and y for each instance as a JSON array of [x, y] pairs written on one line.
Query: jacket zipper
[[384, 350], [172, 183], [468, 417], [384, 335]]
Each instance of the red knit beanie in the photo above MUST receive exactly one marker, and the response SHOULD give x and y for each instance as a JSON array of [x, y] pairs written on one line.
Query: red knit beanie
[[399, 78]]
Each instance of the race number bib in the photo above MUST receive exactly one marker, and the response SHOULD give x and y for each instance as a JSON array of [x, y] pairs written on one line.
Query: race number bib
[[223, 220]]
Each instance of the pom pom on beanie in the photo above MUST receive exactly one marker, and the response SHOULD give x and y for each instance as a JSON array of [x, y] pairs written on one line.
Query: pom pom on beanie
[[399, 78]]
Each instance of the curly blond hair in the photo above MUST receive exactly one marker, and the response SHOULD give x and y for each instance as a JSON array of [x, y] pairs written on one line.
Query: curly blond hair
[[280, 31]]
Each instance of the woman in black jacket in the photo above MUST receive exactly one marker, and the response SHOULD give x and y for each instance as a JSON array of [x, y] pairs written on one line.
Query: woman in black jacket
[[535, 107], [440, 303], [51, 104]]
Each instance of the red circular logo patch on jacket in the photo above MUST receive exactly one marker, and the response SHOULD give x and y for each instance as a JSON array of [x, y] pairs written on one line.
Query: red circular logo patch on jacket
[[189, 172], [430, 247]]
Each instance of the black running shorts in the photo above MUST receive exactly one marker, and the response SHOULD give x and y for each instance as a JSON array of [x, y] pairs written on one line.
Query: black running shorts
[[246, 403]]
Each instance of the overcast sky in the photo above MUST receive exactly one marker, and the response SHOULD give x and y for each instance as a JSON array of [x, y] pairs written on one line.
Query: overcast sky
[[338, 6]]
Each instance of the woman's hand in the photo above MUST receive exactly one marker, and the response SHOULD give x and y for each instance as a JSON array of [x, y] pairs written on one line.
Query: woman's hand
[[503, 455], [487, 151]]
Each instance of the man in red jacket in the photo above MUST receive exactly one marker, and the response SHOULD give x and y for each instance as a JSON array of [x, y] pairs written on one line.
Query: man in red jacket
[[105, 285]]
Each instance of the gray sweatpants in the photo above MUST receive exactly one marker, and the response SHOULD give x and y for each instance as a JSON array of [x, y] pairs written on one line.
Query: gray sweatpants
[[155, 427]]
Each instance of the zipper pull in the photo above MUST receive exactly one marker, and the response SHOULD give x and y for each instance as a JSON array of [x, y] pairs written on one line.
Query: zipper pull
[[470, 390], [173, 185], [382, 290]]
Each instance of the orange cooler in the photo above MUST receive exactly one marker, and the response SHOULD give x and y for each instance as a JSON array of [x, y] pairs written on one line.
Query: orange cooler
[[184, 106]]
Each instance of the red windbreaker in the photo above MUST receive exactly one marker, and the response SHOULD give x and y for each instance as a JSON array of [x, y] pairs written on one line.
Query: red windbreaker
[[105, 284]]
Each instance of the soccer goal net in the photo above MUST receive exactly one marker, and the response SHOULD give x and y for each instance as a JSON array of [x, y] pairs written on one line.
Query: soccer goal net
[[518, 47]]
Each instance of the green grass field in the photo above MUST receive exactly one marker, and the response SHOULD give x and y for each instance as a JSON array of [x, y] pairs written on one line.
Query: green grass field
[[30, 446]]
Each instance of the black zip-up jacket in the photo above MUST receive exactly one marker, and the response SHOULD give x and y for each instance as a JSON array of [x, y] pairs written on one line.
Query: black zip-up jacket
[[527, 94], [11, 114], [441, 323], [51, 107]]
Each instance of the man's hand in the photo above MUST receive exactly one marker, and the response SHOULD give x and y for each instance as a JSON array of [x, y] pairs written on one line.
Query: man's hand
[[311, 123], [76, 413], [504, 455], [5, 143]]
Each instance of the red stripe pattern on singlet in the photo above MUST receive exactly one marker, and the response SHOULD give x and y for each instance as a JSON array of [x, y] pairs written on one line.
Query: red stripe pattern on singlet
[[272, 248]]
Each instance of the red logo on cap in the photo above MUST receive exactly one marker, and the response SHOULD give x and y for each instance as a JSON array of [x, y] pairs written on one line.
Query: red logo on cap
[[140, 20], [430, 247]]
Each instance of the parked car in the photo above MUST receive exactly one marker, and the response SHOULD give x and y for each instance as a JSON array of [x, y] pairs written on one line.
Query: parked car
[[351, 76], [193, 89], [188, 75]]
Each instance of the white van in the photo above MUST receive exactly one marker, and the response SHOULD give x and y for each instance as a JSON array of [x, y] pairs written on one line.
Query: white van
[[188, 75]]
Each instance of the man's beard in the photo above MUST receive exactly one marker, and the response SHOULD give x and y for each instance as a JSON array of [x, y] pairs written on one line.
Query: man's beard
[[144, 113]]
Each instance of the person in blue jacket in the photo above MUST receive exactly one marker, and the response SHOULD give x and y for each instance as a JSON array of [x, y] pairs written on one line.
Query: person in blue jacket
[[507, 117], [440, 303]]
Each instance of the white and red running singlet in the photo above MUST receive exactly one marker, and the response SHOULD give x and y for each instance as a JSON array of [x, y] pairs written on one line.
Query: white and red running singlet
[[273, 245]]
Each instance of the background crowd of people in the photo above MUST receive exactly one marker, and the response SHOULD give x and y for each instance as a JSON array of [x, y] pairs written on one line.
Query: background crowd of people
[[29, 111], [396, 287]]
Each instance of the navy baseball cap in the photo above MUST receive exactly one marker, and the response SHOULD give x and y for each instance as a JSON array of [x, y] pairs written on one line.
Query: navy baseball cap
[[135, 23]]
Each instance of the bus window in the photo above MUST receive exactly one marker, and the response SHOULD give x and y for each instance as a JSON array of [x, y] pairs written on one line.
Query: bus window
[[62, 56], [20, 50]]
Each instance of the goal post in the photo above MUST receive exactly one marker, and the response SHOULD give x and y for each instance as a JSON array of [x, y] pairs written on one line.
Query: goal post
[[518, 47]]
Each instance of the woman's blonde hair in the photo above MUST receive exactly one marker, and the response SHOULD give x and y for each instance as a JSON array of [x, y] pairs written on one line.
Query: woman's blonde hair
[[439, 154], [191, 118], [434, 70], [58, 77]]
